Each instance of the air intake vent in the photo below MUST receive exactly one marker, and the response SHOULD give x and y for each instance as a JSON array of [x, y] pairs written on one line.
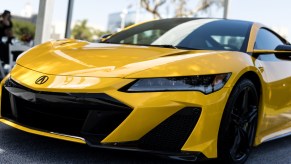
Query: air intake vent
[[172, 133]]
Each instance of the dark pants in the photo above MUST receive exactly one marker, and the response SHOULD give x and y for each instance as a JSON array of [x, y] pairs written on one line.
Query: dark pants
[[4, 52]]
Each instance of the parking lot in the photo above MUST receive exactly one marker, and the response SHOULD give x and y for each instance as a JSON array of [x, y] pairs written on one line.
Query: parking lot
[[20, 147]]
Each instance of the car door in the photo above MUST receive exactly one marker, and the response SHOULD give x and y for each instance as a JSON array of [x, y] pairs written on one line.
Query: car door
[[276, 106]]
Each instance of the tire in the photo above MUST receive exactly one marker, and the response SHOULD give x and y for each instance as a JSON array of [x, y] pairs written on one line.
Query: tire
[[239, 123]]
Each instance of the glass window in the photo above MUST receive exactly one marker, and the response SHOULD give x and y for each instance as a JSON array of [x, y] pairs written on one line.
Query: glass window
[[266, 40], [145, 37], [204, 34], [230, 42]]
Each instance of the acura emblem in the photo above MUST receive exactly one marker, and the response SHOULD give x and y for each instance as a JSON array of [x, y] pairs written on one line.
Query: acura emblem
[[41, 80]]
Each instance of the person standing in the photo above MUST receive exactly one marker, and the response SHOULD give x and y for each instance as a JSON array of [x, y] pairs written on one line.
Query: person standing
[[6, 35]]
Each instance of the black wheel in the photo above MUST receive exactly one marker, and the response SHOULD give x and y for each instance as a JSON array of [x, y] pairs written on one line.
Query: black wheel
[[239, 122]]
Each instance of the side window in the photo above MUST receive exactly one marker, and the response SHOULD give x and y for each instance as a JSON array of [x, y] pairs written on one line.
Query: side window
[[266, 40]]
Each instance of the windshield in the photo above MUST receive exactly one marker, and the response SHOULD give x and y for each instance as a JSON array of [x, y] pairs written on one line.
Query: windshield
[[188, 33]]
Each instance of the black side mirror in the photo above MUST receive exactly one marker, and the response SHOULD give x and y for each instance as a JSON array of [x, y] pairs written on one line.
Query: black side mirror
[[283, 52], [284, 47]]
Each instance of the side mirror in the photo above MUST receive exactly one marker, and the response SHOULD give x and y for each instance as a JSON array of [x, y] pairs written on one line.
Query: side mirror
[[281, 52], [103, 37], [284, 47]]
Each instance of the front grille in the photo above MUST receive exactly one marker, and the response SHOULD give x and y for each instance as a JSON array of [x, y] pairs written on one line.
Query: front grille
[[172, 133], [86, 115]]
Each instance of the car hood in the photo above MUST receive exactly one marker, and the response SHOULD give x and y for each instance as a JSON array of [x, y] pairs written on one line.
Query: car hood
[[78, 58]]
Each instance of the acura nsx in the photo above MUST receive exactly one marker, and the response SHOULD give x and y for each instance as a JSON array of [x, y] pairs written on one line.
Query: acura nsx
[[190, 89]]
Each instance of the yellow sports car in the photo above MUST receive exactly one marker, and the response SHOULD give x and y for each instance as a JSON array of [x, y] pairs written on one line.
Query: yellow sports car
[[190, 89]]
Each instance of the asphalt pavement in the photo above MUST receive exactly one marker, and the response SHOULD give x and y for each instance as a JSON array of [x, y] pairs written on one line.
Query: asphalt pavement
[[21, 147]]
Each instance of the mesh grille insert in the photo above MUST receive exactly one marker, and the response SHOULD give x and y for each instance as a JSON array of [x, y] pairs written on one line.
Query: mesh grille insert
[[172, 133]]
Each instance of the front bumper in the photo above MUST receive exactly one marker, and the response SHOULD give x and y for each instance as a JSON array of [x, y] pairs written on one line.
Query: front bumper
[[145, 114], [89, 118], [184, 156]]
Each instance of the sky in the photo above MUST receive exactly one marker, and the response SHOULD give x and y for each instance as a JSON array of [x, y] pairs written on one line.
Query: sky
[[273, 13]]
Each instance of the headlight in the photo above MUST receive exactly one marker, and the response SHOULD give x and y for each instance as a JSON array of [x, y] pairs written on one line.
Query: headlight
[[203, 83]]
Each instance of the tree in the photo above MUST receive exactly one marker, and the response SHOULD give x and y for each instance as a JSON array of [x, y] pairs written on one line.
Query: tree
[[98, 33], [82, 31], [181, 10], [153, 6], [203, 5], [23, 30]]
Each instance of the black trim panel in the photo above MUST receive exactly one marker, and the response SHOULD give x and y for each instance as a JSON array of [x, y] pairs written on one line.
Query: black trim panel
[[88, 115]]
